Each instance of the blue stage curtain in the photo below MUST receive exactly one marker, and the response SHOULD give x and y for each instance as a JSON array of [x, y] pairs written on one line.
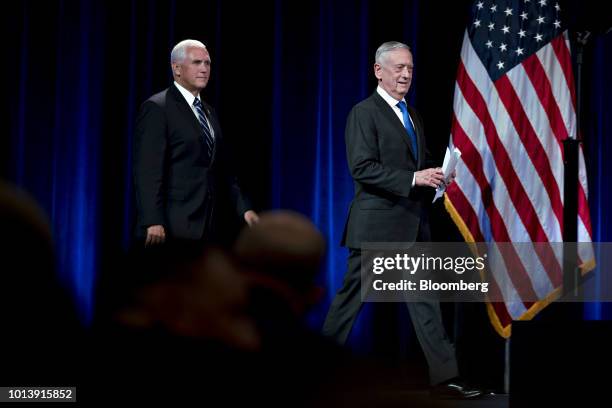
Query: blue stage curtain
[[56, 129], [597, 127], [77, 70], [323, 65]]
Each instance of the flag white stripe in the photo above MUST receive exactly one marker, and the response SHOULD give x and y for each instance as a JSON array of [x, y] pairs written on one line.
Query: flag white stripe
[[522, 164], [539, 121], [467, 184], [561, 92], [512, 299], [516, 230]]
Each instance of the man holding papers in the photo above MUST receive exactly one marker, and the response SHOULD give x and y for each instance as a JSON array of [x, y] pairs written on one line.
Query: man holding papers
[[393, 176]]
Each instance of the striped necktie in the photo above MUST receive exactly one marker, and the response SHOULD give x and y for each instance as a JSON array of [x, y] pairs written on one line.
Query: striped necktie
[[208, 139]]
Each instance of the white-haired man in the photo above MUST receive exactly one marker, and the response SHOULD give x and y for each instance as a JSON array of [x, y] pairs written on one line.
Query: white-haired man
[[180, 158], [392, 171]]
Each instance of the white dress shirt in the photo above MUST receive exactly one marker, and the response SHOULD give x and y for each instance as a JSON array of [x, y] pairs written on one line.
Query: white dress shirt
[[393, 103], [190, 98]]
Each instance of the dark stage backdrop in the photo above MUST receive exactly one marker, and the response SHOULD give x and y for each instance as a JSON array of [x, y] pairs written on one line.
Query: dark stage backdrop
[[284, 76]]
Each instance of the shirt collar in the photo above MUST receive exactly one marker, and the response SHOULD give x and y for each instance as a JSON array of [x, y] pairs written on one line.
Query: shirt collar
[[186, 94], [388, 98]]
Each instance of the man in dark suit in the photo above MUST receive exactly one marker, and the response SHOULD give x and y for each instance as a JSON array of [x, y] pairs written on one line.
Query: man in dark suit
[[393, 173], [181, 158]]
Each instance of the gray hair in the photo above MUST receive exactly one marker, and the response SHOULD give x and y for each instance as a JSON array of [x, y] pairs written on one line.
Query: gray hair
[[179, 52], [386, 47]]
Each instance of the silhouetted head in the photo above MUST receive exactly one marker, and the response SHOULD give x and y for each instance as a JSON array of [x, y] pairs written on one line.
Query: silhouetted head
[[191, 293], [283, 253], [31, 296]]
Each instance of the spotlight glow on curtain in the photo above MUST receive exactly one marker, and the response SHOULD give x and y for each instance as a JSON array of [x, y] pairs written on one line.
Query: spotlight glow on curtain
[[56, 136]]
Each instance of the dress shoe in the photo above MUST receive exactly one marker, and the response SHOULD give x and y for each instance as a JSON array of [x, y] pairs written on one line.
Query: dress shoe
[[454, 389]]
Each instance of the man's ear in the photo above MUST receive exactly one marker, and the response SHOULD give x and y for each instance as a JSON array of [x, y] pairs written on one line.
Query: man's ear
[[176, 69], [377, 71]]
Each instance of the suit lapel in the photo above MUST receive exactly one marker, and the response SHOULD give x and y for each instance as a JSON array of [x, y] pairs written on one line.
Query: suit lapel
[[191, 118], [392, 118], [185, 109]]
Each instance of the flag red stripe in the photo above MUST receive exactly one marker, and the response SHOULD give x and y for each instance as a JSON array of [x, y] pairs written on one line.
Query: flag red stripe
[[539, 158], [583, 210], [532, 144], [565, 60], [501, 311], [515, 188], [537, 75], [503, 161], [473, 161], [463, 207], [534, 69]]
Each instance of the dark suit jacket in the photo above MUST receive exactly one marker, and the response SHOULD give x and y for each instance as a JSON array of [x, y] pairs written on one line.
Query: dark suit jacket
[[385, 208], [176, 184]]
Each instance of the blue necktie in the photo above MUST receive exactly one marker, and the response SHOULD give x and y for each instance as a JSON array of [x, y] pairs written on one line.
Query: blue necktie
[[208, 139], [409, 127]]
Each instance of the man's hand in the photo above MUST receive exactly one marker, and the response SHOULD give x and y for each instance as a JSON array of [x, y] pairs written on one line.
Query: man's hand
[[155, 235], [432, 177], [251, 218]]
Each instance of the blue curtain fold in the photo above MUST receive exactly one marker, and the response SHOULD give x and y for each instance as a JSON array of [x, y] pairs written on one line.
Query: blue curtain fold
[[597, 128]]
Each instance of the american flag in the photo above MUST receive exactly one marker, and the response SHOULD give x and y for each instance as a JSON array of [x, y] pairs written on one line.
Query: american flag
[[514, 105]]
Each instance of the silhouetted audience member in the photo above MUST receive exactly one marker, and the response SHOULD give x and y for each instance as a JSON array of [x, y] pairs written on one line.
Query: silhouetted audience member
[[179, 332], [201, 295], [40, 326], [190, 325], [219, 329], [282, 255]]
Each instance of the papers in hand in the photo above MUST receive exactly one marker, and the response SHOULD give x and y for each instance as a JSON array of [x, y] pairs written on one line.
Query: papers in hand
[[448, 167]]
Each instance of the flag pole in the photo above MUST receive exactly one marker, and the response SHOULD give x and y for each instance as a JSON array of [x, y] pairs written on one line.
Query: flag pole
[[571, 146], [570, 218]]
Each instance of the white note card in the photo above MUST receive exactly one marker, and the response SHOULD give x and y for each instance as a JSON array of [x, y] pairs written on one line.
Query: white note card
[[448, 167]]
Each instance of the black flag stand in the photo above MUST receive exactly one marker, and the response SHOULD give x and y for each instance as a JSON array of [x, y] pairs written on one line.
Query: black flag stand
[[571, 271], [566, 345], [571, 146]]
